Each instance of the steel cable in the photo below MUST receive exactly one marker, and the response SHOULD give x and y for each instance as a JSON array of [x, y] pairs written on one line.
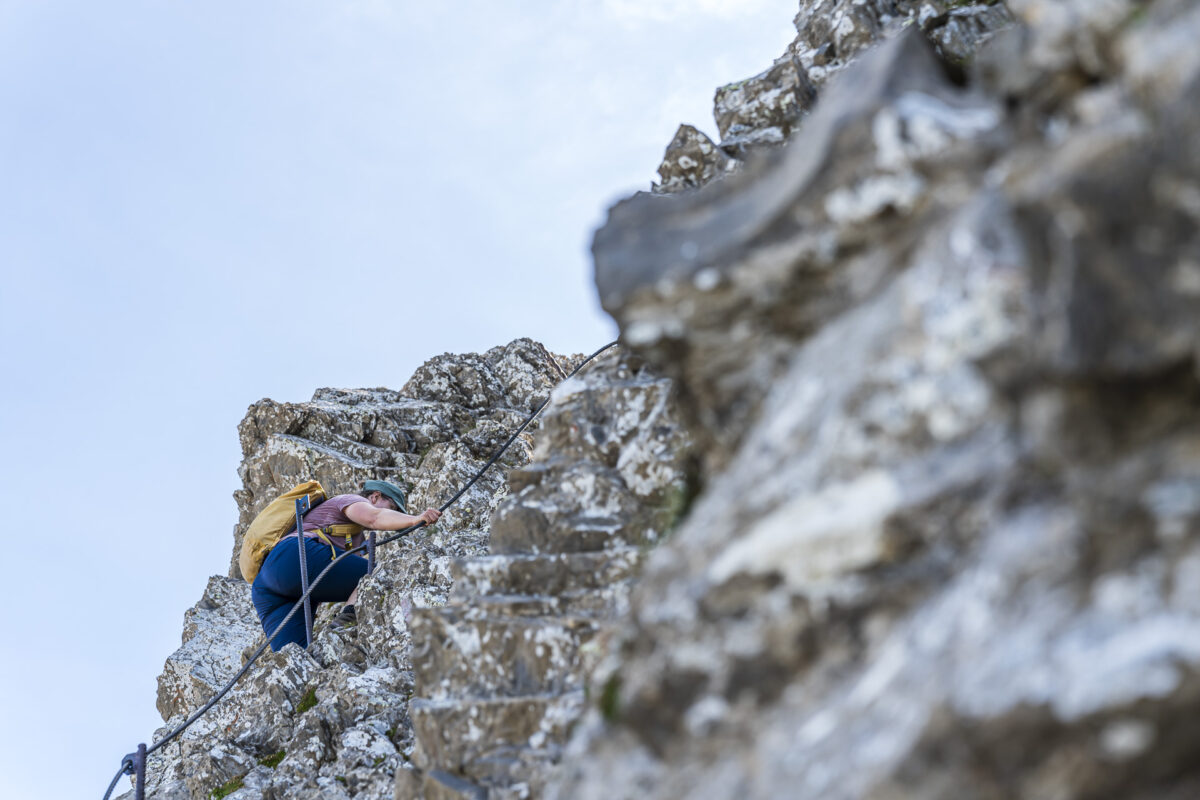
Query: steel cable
[[123, 770], [300, 603]]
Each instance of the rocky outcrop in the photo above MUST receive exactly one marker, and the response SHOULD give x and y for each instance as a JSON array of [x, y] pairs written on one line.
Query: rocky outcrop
[[894, 490], [215, 633], [496, 647], [940, 355], [333, 721], [501, 671], [764, 110], [453, 412], [691, 161], [832, 33]]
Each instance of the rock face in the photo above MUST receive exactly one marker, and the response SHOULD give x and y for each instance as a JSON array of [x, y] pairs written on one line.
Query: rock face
[[454, 411], [497, 648], [832, 33], [893, 491], [338, 713], [764, 110], [691, 161], [501, 671], [941, 357]]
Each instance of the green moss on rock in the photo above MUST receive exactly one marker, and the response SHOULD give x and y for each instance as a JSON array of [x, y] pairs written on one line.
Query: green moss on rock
[[610, 699], [307, 701], [227, 788]]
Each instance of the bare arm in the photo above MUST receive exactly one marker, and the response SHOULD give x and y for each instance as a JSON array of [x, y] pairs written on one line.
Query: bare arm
[[384, 519]]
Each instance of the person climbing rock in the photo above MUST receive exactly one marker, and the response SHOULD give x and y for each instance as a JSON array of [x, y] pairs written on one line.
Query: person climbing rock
[[330, 529]]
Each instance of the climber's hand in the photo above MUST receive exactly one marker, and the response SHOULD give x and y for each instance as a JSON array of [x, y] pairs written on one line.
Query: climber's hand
[[430, 516]]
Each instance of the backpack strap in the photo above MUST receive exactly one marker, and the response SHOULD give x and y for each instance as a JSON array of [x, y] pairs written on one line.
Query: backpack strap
[[348, 532]]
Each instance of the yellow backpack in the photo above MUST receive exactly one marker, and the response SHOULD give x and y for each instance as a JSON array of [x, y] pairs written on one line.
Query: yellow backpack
[[278, 518]]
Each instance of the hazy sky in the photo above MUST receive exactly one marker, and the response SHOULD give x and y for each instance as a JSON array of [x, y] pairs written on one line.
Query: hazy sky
[[204, 204]]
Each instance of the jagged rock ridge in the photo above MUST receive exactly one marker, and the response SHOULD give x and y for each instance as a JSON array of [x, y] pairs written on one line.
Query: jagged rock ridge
[[338, 712], [496, 647], [763, 111]]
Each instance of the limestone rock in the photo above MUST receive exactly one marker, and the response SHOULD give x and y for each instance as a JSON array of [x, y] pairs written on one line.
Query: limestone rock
[[893, 490], [763, 109], [450, 412], [215, 631], [691, 160], [794, 250], [333, 721], [958, 29], [832, 33], [941, 359], [501, 670], [502, 641]]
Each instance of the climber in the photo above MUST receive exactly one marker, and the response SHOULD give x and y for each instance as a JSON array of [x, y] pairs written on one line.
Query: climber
[[276, 588]]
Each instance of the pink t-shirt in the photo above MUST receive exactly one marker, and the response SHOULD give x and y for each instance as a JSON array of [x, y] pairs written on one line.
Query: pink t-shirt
[[332, 512]]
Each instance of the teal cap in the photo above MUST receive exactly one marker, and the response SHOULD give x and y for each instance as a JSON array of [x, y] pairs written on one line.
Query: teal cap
[[389, 490]]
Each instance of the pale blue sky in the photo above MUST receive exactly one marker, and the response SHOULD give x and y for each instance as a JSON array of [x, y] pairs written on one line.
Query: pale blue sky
[[204, 204]]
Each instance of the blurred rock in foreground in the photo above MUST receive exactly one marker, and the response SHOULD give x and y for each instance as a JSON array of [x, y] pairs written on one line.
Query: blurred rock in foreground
[[941, 356], [892, 492]]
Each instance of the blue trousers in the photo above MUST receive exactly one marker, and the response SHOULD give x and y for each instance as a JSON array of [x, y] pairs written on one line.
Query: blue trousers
[[277, 586]]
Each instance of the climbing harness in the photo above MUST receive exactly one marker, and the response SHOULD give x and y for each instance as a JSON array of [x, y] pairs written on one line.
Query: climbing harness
[[135, 763]]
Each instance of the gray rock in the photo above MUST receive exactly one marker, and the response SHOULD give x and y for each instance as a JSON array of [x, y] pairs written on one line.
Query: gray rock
[[333, 721], [941, 355], [958, 29], [691, 160], [515, 644], [428, 436], [215, 632], [765, 108], [832, 33], [931, 527], [502, 669], [791, 250]]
